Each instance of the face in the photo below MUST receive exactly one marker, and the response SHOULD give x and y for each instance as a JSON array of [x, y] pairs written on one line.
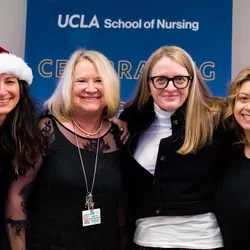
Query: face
[[242, 107], [170, 98], [87, 89], [9, 95]]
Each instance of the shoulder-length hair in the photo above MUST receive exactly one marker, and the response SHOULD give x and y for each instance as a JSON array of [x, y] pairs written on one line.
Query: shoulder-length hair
[[202, 110], [228, 117], [60, 103], [20, 134]]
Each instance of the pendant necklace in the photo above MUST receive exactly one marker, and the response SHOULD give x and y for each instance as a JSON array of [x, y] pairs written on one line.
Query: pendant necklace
[[89, 202]]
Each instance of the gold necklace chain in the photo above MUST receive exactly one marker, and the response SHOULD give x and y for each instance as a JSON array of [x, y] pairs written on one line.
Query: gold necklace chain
[[86, 132]]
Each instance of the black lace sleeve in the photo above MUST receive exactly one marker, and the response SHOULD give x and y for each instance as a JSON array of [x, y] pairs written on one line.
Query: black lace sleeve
[[20, 189], [16, 206], [47, 129]]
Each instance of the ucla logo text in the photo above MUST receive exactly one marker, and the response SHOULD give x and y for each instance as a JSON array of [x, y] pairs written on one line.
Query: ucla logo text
[[78, 21]]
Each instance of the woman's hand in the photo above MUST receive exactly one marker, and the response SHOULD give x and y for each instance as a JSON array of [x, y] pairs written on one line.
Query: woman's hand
[[123, 126]]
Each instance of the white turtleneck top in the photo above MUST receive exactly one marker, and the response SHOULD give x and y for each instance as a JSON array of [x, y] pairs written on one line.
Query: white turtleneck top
[[146, 152]]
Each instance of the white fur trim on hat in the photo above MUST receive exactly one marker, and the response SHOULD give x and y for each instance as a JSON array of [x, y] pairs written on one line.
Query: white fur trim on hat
[[12, 64]]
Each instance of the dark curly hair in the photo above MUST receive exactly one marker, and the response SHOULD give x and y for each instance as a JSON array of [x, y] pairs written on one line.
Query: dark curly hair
[[20, 137]]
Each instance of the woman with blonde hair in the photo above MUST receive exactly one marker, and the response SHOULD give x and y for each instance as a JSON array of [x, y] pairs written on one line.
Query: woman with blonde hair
[[172, 152], [78, 186], [232, 202]]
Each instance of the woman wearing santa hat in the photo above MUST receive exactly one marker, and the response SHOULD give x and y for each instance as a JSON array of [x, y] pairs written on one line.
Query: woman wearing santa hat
[[20, 139]]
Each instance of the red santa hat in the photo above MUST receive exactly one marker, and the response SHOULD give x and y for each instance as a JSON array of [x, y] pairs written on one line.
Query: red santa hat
[[12, 64]]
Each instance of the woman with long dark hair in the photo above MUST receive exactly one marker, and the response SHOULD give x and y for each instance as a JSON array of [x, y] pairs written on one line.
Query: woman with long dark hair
[[20, 139]]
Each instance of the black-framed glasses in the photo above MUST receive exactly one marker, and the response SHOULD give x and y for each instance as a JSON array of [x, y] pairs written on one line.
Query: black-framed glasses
[[161, 82]]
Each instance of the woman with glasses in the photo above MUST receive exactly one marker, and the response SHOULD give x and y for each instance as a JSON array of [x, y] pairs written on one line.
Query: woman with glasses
[[172, 151]]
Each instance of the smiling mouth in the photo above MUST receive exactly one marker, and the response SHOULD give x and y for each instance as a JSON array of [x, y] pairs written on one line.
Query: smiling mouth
[[4, 101], [246, 117], [93, 98], [170, 97]]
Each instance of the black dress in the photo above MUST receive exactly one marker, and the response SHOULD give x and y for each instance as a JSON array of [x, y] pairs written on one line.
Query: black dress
[[232, 201], [58, 199]]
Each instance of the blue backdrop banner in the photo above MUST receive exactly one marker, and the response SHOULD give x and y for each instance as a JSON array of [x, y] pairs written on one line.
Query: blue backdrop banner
[[127, 32]]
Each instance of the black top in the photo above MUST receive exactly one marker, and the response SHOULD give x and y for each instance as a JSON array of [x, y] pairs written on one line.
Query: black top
[[232, 201], [182, 184], [55, 211], [6, 175]]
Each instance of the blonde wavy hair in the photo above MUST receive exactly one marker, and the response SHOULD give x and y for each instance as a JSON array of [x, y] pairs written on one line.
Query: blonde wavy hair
[[60, 103], [203, 112], [228, 118]]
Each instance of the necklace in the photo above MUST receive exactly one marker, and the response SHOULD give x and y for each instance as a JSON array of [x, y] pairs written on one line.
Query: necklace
[[89, 202], [86, 132]]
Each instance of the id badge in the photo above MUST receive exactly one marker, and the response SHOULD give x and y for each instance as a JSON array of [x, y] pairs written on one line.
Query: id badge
[[91, 217]]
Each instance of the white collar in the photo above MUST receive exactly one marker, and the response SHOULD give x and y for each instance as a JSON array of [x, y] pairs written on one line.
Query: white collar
[[161, 115]]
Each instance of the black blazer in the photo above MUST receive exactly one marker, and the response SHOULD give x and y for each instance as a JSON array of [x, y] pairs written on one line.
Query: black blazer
[[182, 184]]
